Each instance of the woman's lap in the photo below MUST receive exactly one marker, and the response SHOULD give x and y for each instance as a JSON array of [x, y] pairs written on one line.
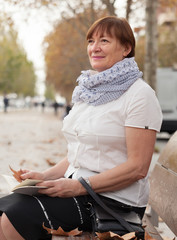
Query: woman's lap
[[27, 214]]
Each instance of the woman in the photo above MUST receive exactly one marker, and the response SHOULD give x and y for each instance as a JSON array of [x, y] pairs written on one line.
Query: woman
[[111, 132]]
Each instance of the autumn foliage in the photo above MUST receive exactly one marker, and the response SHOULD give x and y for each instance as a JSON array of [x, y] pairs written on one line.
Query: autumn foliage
[[65, 58], [17, 174], [101, 236]]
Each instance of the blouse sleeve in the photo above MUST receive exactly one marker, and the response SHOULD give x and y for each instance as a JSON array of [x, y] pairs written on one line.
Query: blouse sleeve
[[144, 110]]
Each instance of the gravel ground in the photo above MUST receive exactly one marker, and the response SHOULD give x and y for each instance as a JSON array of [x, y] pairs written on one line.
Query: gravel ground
[[29, 140]]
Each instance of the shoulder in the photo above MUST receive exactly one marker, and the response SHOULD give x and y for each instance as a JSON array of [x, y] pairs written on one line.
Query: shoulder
[[141, 86], [140, 91]]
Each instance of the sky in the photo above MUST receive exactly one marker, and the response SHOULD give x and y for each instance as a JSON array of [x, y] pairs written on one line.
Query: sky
[[32, 27]]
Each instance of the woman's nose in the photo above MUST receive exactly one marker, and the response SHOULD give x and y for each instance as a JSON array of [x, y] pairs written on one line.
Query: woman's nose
[[96, 46]]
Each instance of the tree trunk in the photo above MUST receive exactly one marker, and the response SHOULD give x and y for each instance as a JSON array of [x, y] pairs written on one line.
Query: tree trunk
[[128, 9], [151, 47], [110, 6]]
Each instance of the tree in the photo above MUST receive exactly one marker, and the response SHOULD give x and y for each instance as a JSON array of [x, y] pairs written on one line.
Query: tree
[[166, 47], [128, 8], [151, 43], [140, 52], [168, 33], [110, 6], [50, 91], [65, 57], [16, 72]]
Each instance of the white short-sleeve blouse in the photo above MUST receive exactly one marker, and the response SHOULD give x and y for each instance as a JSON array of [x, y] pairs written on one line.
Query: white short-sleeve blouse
[[96, 137]]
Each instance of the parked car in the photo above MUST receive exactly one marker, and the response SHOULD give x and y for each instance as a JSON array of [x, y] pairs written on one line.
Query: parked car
[[167, 95]]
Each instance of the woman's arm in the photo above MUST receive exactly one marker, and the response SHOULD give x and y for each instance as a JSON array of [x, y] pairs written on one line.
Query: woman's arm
[[54, 172], [140, 147]]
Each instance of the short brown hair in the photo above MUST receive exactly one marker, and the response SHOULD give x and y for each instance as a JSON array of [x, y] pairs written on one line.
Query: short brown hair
[[114, 27]]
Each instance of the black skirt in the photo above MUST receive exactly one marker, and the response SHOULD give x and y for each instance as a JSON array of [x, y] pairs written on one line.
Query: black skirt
[[29, 213]]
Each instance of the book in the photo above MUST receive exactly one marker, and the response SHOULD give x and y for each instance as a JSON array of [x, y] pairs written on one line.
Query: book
[[27, 186]]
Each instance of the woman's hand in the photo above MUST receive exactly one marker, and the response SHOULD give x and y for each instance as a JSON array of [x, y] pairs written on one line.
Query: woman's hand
[[27, 174], [54, 172], [63, 187]]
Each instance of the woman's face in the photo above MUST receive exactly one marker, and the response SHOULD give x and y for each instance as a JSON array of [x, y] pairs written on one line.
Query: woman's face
[[104, 51]]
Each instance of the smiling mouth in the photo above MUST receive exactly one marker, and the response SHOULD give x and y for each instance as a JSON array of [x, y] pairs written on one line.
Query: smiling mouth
[[97, 57]]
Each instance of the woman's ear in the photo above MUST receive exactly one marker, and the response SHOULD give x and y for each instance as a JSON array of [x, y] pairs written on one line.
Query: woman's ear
[[127, 50]]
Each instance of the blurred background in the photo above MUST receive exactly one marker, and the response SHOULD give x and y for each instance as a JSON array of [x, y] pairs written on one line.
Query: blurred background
[[43, 49]]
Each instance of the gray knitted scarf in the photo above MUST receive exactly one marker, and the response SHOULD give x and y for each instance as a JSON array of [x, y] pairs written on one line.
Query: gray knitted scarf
[[96, 88]]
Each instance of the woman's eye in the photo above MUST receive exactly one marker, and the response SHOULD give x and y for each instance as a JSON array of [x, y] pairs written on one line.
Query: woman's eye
[[104, 40], [90, 41]]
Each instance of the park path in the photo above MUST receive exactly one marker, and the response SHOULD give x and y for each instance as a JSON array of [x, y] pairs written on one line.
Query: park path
[[30, 139]]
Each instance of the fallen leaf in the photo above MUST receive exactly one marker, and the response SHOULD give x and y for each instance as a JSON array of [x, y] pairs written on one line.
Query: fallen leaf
[[61, 232], [49, 141], [108, 236], [56, 154], [17, 174], [42, 148], [129, 236], [22, 162], [114, 236], [50, 162], [148, 237]]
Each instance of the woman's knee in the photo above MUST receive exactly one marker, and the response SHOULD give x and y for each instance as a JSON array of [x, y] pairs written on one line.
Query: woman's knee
[[5, 223], [2, 237], [8, 229]]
